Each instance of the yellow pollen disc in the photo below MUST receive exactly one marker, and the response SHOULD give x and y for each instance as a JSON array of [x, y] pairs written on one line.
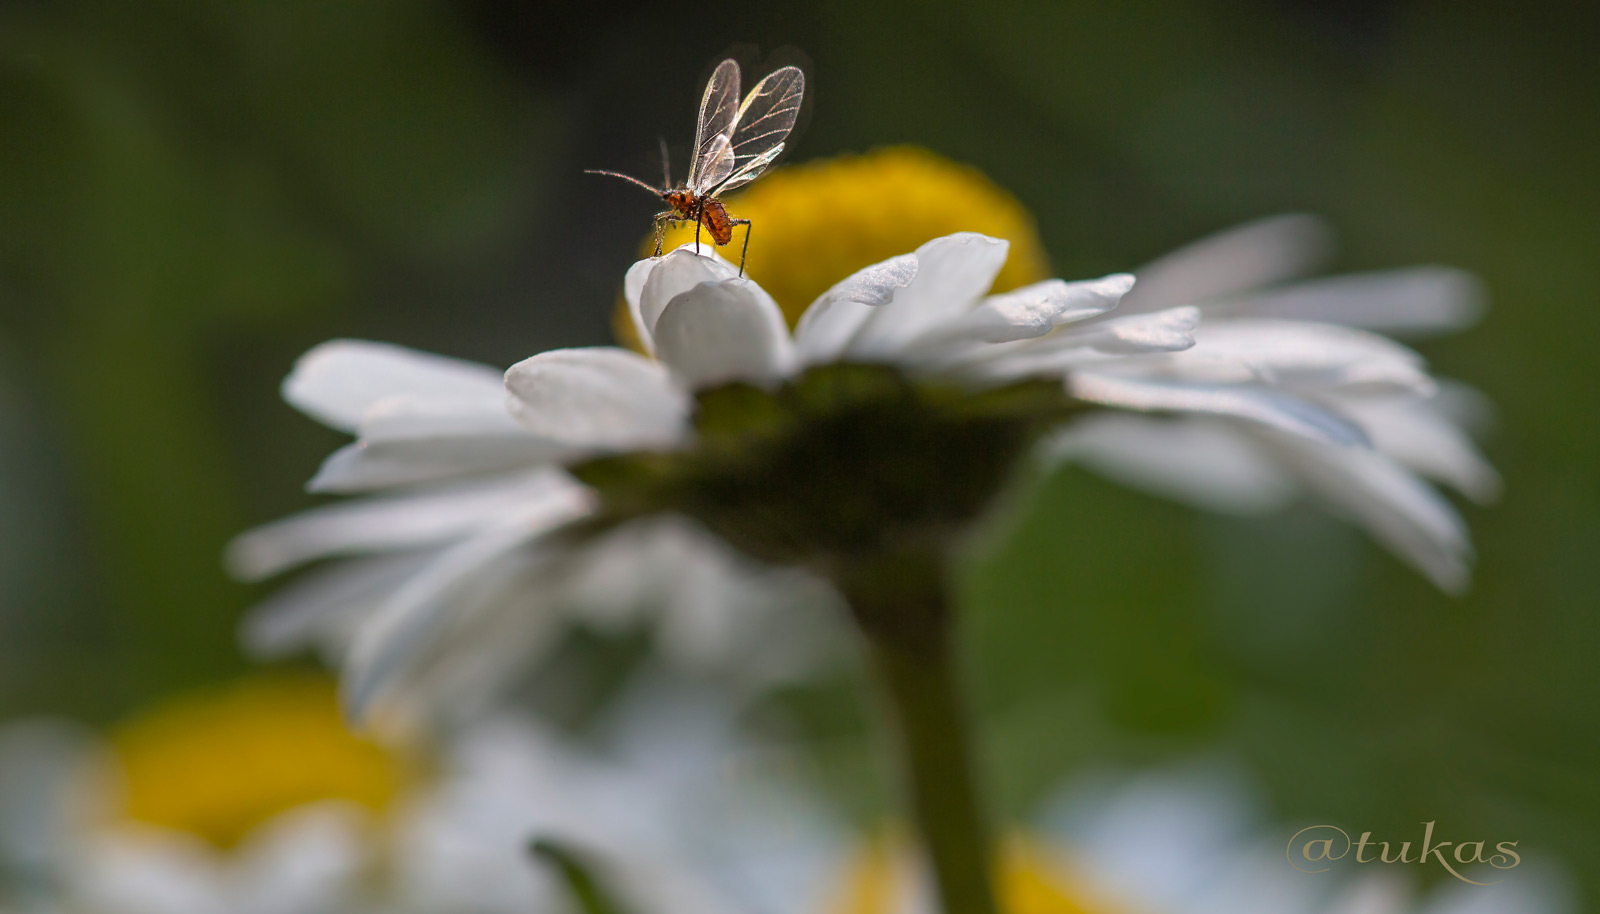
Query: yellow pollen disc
[[1031, 880], [218, 763], [816, 223]]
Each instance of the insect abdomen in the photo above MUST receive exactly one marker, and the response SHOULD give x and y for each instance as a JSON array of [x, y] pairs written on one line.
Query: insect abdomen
[[716, 220]]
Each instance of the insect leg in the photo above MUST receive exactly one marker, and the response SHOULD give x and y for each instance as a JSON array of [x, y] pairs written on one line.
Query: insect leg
[[745, 251], [661, 230], [697, 224]]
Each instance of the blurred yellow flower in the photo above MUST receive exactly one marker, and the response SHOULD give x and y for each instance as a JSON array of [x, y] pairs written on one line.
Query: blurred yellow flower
[[1032, 880], [819, 222], [217, 763]]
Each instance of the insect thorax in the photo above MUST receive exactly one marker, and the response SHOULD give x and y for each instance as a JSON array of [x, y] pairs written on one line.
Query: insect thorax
[[682, 201]]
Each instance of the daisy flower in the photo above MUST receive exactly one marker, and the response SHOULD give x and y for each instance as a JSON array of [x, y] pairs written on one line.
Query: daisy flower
[[855, 452]]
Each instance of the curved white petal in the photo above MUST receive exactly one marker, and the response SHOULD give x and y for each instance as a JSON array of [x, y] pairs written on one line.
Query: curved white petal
[[1416, 432], [338, 381], [1200, 462], [1398, 509], [498, 630], [598, 398], [415, 418], [831, 321], [323, 607], [724, 331], [1307, 357], [1235, 260], [632, 291], [392, 523], [1264, 407], [1101, 343], [1172, 330], [671, 276], [365, 466], [953, 273], [428, 606], [1411, 301], [1028, 312]]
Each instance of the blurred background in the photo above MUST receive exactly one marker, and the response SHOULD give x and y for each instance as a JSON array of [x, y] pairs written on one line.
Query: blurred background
[[193, 193]]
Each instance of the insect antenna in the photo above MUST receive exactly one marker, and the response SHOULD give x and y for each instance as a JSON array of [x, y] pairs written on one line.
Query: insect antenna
[[666, 168], [629, 178]]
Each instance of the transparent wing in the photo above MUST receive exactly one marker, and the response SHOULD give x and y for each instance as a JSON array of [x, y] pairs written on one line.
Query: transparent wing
[[719, 110], [750, 170], [716, 163], [764, 120]]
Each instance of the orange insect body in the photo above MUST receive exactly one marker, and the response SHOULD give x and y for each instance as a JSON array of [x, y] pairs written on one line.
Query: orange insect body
[[705, 210], [734, 143]]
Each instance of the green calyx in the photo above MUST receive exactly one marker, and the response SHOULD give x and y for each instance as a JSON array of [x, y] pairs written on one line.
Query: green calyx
[[840, 467]]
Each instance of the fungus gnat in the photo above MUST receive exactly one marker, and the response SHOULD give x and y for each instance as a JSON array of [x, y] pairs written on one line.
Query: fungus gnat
[[734, 143]]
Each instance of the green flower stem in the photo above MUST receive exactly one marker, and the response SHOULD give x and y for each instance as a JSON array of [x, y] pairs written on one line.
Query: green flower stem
[[912, 651]]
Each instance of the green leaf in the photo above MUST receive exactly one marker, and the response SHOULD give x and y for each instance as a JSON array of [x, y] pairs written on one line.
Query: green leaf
[[578, 873]]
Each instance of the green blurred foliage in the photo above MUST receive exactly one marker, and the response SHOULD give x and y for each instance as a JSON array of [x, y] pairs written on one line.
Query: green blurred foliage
[[192, 192]]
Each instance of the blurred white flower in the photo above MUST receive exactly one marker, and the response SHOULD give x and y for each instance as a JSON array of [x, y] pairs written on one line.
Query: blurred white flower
[[675, 813], [469, 560], [1187, 840]]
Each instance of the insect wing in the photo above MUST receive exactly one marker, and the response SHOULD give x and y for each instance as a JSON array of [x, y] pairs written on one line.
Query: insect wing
[[719, 110], [750, 170], [716, 164], [765, 119]]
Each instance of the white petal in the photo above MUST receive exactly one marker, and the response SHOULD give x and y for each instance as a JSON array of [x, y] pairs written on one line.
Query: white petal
[[953, 273], [1232, 261], [1416, 432], [1200, 462], [599, 398], [724, 331], [139, 869], [1265, 407], [633, 291], [392, 523], [338, 381], [309, 858], [421, 611], [1172, 330], [1398, 509], [1307, 357], [497, 631], [324, 606], [1031, 311], [1086, 346], [674, 274], [1412, 301], [362, 467], [833, 319], [415, 418]]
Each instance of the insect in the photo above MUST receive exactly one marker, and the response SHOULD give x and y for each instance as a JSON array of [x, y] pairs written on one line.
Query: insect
[[734, 143]]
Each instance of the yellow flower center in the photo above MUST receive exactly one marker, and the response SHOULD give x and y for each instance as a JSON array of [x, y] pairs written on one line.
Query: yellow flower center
[[815, 224], [220, 762], [1031, 880]]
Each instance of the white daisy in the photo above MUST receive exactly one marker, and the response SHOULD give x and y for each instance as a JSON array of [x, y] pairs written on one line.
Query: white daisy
[[881, 427]]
